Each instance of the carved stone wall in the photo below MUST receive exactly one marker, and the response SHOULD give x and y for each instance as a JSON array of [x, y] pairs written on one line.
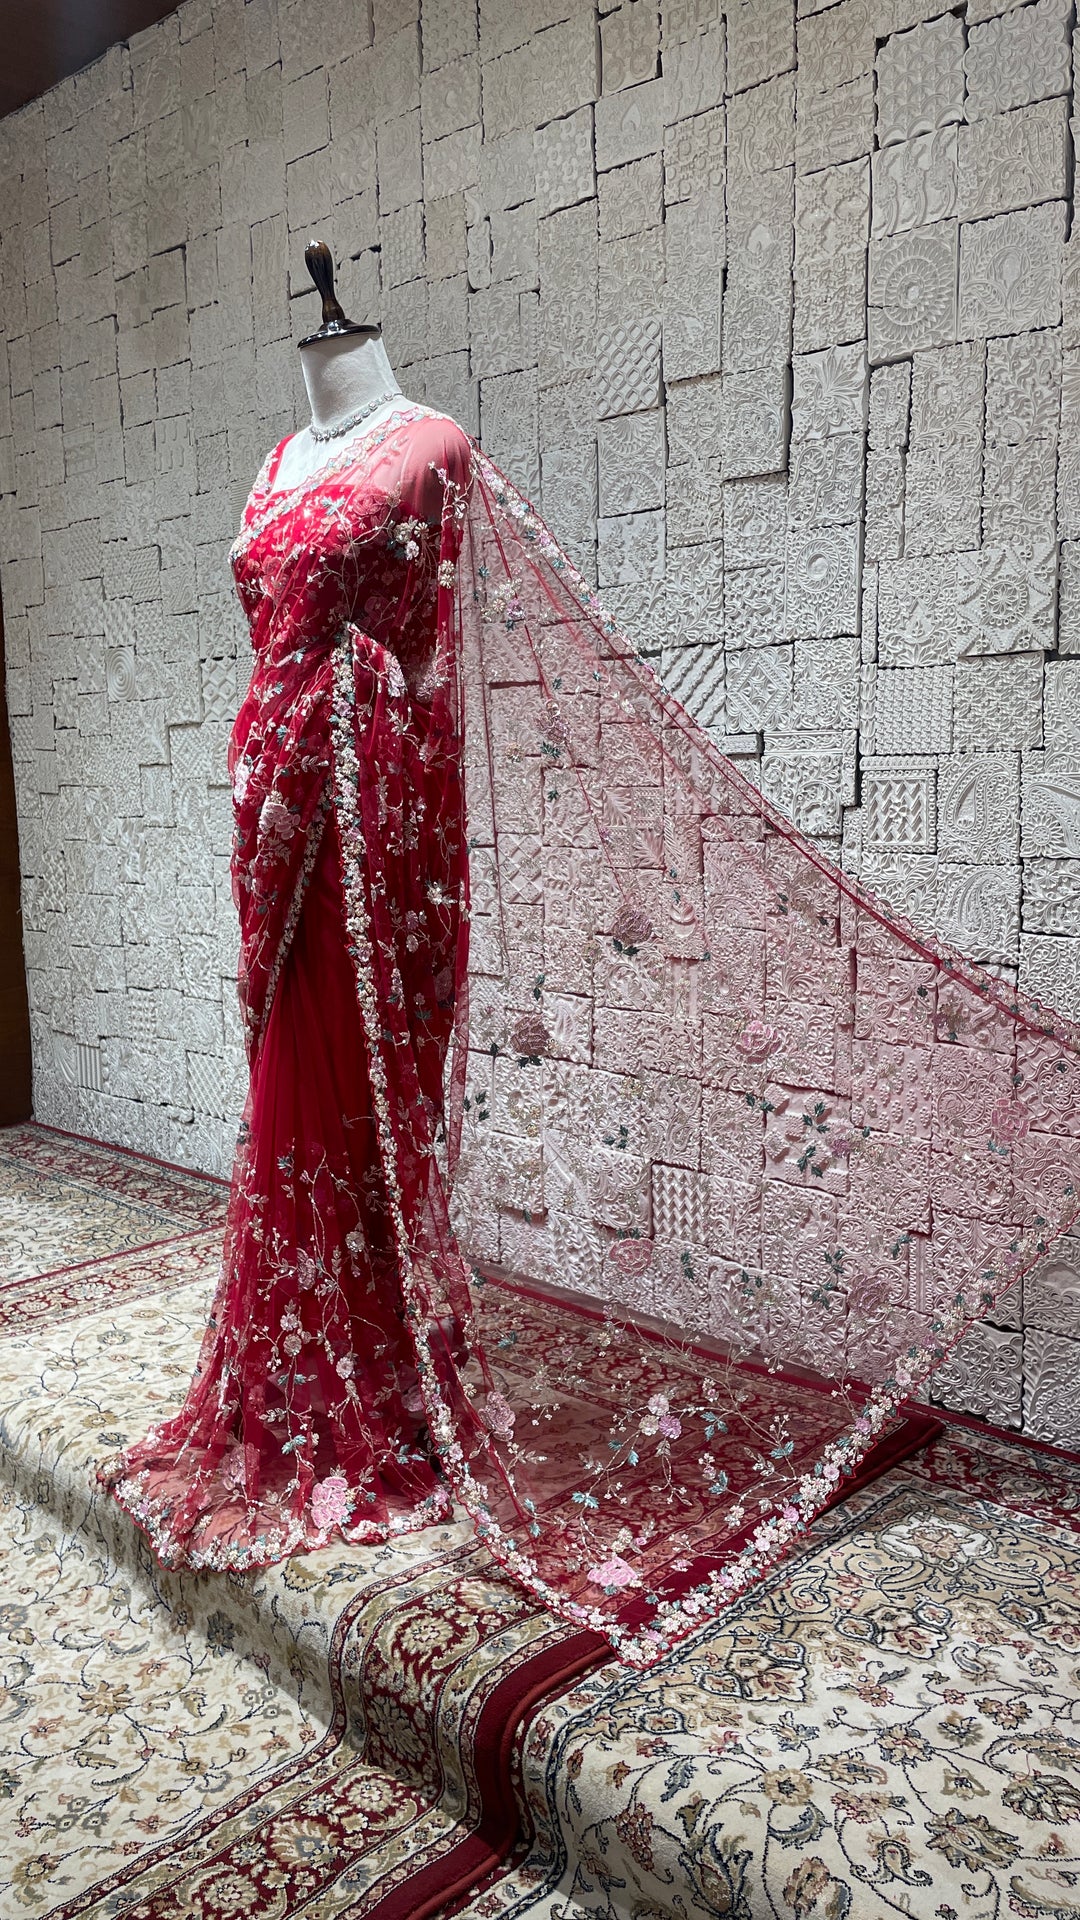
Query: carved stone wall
[[775, 311]]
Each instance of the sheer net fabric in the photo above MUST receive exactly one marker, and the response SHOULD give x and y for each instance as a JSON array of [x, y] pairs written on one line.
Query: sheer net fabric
[[622, 1205]]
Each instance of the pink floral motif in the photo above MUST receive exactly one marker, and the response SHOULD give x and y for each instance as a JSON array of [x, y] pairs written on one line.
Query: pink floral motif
[[615, 1572], [1009, 1122], [631, 1257], [660, 1419], [758, 1039], [631, 926], [499, 1415], [276, 824], [529, 1036], [331, 1502]]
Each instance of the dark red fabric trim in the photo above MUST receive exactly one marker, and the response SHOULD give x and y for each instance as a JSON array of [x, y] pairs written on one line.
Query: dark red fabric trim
[[483, 1850]]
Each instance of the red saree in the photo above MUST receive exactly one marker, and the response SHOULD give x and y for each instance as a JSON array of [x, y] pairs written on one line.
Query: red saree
[[622, 1205]]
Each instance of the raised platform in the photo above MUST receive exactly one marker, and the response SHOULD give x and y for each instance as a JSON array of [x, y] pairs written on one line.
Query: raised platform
[[887, 1724]]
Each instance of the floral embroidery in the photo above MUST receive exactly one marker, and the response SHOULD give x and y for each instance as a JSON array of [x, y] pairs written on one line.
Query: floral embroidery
[[774, 1150]]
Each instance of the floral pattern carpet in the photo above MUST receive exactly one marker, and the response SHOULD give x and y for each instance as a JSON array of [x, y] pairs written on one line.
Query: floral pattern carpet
[[890, 1724], [326, 1737], [67, 1203]]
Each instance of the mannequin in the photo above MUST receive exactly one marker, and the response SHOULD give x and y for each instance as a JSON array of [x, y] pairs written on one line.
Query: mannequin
[[345, 368]]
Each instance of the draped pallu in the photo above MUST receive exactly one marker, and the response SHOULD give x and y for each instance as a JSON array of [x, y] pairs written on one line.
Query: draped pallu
[[613, 1164]]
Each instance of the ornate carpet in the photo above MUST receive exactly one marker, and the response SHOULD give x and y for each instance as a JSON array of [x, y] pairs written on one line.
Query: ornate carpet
[[331, 1736], [890, 1724]]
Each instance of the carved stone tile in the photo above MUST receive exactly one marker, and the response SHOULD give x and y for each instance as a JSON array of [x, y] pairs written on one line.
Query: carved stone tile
[[1069, 598], [758, 688], [630, 198], [754, 605], [758, 287], [563, 156], [978, 808], [680, 1201], [760, 42], [920, 80], [822, 596], [695, 158], [627, 376], [1023, 378], [694, 72], [695, 674], [1012, 160], [1049, 969], [1020, 57], [825, 684], [832, 217], [695, 416], [1052, 1388], [629, 124], [1051, 897], [1005, 600], [826, 480], [548, 77], [890, 406], [761, 127], [941, 499], [754, 520], [631, 462], [947, 396], [883, 532], [978, 909], [983, 1376], [837, 44], [754, 430], [1061, 703], [834, 125], [693, 255], [1050, 811], [807, 777], [898, 804], [998, 703], [829, 393], [915, 182], [910, 711], [1010, 271], [630, 547], [1020, 498], [629, 45], [912, 290]]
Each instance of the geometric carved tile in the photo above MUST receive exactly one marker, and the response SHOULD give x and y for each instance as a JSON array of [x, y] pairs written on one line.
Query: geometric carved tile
[[898, 804], [920, 80], [1005, 600], [680, 1201]]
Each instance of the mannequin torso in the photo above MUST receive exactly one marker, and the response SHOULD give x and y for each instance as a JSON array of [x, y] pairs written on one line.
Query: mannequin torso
[[342, 374]]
